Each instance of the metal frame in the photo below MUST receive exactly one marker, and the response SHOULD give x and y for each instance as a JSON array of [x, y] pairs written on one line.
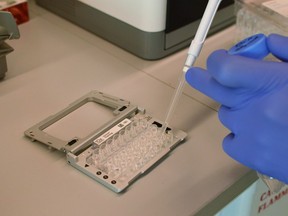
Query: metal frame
[[77, 149], [122, 109]]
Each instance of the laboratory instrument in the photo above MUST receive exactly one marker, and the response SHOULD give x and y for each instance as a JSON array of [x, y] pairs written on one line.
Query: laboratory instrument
[[114, 143], [147, 28], [8, 31]]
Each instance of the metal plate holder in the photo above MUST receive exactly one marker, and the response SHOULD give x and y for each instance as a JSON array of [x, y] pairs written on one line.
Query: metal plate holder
[[78, 149], [122, 109]]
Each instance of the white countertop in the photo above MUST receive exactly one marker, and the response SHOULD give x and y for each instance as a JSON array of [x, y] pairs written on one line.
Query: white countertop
[[55, 63]]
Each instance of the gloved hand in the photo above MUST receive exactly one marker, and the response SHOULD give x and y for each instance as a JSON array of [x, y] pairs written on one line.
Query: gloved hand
[[254, 98]]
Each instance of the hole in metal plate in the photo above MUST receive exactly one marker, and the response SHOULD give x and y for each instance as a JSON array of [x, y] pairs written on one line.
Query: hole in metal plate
[[81, 122]]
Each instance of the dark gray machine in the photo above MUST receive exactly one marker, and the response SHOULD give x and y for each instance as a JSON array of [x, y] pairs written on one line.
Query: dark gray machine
[[147, 28], [8, 30]]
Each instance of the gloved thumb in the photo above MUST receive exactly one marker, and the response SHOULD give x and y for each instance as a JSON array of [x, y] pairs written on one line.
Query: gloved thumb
[[278, 46], [242, 72]]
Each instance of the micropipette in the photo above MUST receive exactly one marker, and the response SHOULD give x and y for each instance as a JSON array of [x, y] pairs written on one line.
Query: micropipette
[[193, 53], [194, 50]]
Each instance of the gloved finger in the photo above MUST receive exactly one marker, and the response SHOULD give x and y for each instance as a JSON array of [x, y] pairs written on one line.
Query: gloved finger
[[228, 118], [242, 72], [278, 46], [239, 151], [201, 80]]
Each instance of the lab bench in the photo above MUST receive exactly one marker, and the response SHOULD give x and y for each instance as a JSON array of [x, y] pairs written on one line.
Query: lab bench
[[55, 63]]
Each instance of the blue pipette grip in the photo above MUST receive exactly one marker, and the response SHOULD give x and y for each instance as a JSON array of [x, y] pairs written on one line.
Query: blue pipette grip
[[252, 47]]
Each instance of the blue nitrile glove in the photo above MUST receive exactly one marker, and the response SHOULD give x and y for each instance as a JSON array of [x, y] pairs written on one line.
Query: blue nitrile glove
[[254, 98]]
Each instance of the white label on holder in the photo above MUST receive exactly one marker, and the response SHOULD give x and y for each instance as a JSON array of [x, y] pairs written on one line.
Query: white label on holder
[[279, 6], [112, 131]]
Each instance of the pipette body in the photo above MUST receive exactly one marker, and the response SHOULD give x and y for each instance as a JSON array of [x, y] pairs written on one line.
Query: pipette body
[[193, 52]]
